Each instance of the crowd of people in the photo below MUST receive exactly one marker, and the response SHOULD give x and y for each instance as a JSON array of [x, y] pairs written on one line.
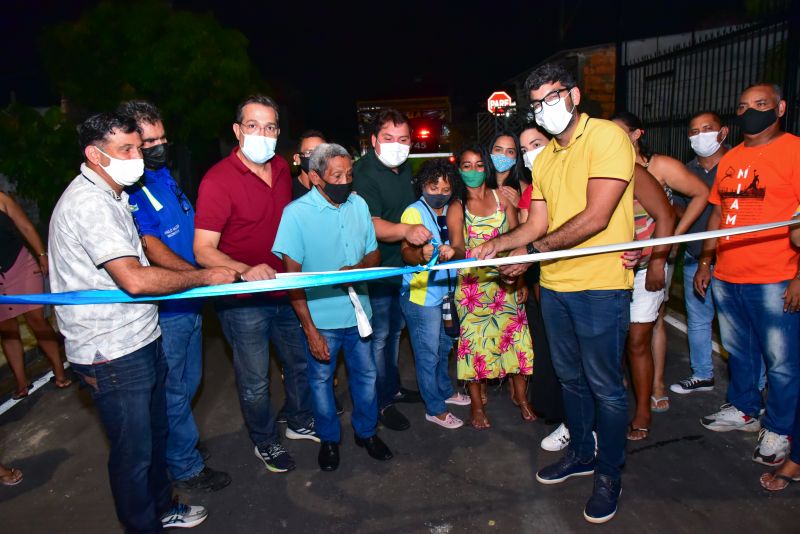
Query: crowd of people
[[559, 332]]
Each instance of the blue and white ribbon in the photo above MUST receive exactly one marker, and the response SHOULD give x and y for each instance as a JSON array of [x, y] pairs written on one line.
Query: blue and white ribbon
[[286, 281]]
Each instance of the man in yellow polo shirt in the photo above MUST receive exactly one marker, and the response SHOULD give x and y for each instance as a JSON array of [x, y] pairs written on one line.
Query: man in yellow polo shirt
[[582, 196]]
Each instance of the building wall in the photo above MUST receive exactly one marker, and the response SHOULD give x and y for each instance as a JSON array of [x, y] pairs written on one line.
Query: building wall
[[597, 81]]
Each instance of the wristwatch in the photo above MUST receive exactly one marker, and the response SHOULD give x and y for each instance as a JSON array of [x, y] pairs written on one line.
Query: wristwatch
[[532, 250]]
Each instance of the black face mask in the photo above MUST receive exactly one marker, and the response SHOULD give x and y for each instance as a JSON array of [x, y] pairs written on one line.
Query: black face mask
[[338, 193], [436, 201], [754, 122], [155, 157], [304, 161]]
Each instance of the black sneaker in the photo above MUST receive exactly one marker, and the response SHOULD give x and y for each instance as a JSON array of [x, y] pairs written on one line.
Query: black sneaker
[[407, 395], [275, 458], [206, 480], [602, 505], [392, 419], [306, 432], [692, 384], [339, 409]]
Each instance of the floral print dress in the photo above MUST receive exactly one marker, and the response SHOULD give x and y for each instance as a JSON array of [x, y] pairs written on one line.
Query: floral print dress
[[494, 339]]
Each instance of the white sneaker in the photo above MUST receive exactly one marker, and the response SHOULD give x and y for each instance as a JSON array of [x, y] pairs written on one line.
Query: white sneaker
[[772, 448], [450, 421], [184, 516], [730, 418], [557, 440], [459, 399]]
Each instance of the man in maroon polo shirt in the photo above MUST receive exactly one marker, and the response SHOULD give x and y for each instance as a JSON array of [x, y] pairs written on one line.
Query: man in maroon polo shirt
[[239, 208]]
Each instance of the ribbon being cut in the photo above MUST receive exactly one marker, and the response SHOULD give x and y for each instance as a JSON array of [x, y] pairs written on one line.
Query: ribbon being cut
[[286, 281]]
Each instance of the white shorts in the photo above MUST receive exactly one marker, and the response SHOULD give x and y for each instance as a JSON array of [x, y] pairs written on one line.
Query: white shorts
[[644, 303]]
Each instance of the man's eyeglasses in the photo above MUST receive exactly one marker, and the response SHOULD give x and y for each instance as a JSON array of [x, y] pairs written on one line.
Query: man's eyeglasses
[[186, 206], [551, 99], [253, 128]]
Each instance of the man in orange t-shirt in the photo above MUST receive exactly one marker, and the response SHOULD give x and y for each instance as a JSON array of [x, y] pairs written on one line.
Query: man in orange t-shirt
[[757, 286]]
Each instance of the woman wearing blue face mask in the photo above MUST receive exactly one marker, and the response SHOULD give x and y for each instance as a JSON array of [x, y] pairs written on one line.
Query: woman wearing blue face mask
[[423, 293], [504, 167]]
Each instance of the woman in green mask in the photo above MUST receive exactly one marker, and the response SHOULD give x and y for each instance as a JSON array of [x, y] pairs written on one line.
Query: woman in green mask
[[495, 341]]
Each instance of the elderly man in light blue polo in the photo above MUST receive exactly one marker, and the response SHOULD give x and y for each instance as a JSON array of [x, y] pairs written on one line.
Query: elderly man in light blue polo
[[330, 229]]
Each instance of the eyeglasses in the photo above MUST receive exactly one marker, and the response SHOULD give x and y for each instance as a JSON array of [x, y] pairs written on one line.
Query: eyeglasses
[[252, 128], [186, 205], [551, 99]]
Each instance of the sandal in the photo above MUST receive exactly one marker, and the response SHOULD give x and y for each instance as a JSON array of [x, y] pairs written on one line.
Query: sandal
[[22, 393], [61, 384], [13, 477], [479, 420], [786, 480], [654, 404], [631, 429], [527, 412]]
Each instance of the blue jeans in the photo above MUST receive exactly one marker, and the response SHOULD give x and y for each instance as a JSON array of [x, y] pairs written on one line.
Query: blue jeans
[[586, 331], [249, 329], [181, 336], [753, 326], [360, 377], [431, 351], [130, 397], [387, 323], [699, 316]]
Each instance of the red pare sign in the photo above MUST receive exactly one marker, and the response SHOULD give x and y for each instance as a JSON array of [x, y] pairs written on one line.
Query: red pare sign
[[498, 99]]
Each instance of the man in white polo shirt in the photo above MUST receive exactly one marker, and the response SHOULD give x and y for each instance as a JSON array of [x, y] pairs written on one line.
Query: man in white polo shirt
[[115, 349]]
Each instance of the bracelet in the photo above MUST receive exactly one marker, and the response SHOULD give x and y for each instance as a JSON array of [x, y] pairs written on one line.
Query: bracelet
[[42, 254]]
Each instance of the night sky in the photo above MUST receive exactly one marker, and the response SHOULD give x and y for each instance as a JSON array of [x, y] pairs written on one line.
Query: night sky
[[320, 58]]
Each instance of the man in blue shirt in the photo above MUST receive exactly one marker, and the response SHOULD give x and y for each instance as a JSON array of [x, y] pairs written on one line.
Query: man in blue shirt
[[330, 229], [165, 219]]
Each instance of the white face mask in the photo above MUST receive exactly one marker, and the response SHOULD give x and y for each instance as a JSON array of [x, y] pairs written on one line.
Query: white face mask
[[124, 172], [705, 144], [393, 154], [258, 148], [555, 119], [530, 156]]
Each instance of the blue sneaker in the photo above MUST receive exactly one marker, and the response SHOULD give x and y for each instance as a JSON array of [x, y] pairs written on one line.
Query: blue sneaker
[[602, 505], [567, 467]]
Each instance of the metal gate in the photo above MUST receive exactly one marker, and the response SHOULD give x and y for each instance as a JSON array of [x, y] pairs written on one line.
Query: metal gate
[[666, 89]]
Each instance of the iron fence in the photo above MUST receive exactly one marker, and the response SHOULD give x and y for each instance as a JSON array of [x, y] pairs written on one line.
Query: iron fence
[[666, 89]]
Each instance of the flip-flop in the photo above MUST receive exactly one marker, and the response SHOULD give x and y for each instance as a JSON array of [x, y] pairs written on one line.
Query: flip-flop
[[61, 385], [654, 404], [632, 429], [12, 479], [787, 479], [22, 393]]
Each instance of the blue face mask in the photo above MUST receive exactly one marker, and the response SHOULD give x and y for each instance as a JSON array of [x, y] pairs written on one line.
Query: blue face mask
[[502, 162]]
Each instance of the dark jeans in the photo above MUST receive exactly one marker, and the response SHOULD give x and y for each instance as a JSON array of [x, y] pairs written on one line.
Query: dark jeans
[[387, 323], [182, 339], [360, 378], [130, 397], [249, 329], [587, 331]]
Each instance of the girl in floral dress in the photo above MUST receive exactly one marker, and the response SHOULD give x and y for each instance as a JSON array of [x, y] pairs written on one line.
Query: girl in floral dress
[[495, 341]]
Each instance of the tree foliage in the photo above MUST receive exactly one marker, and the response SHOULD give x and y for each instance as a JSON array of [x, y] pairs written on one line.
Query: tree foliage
[[39, 152], [186, 63]]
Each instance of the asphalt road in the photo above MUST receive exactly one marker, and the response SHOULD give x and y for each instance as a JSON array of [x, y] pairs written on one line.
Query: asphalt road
[[682, 479]]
